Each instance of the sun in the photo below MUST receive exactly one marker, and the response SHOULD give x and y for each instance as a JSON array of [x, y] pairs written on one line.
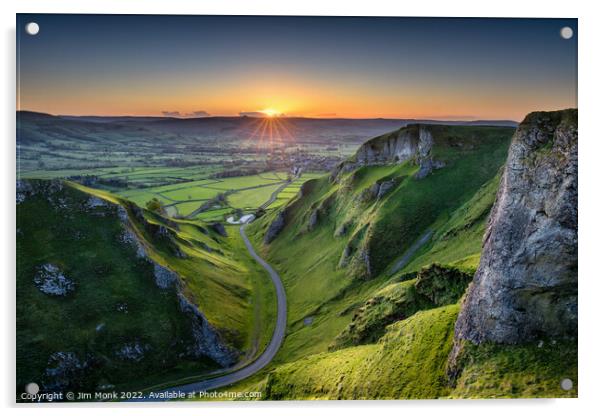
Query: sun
[[271, 112]]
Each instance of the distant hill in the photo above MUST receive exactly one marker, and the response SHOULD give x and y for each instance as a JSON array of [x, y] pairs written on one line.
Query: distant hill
[[296, 121], [69, 142]]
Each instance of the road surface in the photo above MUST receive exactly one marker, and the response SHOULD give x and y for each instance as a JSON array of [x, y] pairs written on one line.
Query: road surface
[[275, 195], [267, 355]]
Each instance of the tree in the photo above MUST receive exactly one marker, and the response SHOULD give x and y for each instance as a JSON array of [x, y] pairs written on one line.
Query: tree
[[155, 205]]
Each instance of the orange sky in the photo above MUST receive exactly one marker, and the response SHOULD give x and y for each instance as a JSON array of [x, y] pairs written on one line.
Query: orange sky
[[312, 67]]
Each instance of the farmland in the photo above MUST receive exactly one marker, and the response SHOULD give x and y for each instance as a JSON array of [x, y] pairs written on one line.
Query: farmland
[[182, 191], [182, 199]]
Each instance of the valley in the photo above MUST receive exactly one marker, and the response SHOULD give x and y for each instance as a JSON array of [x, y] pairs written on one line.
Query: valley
[[346, 283]]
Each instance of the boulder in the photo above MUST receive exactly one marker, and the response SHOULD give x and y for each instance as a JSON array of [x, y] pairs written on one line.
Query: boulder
[[51, 281], [164, 278]]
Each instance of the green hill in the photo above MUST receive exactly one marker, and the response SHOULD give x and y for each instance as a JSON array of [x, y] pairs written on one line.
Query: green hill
[[113, 296], [375, 259], [345, 236]]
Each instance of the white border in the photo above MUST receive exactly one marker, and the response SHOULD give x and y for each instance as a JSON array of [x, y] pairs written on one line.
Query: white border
[[590, 203]]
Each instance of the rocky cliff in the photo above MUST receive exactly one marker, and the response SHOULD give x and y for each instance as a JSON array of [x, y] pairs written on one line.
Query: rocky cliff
[[413, 142], [110, 267], [526, 285]]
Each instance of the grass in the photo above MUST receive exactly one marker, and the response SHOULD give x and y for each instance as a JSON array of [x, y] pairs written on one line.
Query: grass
[[458, 236], [416, 205], [106, 273], [184, 208], [230, 288], [192, 190], [303, 275], [408, 362], [433, 286], [530, 370], [355, 330], [410, 359], [172, 193], [317, 286], [240, 182], [214, 214]]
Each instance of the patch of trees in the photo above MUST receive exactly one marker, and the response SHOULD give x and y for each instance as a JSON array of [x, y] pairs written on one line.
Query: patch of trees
[[238, 172], [93, 180], [155, 205]]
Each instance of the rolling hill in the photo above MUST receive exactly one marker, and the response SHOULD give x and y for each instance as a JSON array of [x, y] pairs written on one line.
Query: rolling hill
[[376, 258], [49, 142], [110, 295]]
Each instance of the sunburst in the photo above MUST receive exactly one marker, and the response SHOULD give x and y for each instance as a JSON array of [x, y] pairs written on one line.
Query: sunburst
[[272, 131]]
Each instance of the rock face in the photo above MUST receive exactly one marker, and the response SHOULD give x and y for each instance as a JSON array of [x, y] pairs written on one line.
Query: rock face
[[219, 228], [51, 281], [208, 340], [275, 227], [313, 219], [64, 369], [526, 285], [412, 142], [131, 351], [164, 278], [406, 144]]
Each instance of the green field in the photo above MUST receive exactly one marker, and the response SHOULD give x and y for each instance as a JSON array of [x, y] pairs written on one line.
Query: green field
[[184, 190], [243, 192]]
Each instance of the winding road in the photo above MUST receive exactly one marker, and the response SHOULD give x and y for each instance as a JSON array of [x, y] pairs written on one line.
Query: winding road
[[263, 360]]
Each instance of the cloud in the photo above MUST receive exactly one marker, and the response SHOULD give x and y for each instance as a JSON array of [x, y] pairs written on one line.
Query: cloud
[[326, 115], [199, 113], [171, 113], [251, 114]]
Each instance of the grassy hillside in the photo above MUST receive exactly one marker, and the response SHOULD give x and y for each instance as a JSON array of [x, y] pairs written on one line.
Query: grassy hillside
[[90, 311], [375, 260], [231, 289], [410, 361], [457, 237], [326, 288], [387, 334]]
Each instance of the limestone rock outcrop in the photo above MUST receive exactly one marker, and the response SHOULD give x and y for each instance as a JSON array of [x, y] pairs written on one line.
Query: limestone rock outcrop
[[526, 285], [275, 227], [413, 142]]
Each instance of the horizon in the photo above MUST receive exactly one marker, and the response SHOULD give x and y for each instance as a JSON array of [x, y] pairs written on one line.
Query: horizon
[[443, 69], [467, 120]]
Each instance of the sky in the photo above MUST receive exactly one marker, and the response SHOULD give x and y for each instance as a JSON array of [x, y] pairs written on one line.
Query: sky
[[348, 67]]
